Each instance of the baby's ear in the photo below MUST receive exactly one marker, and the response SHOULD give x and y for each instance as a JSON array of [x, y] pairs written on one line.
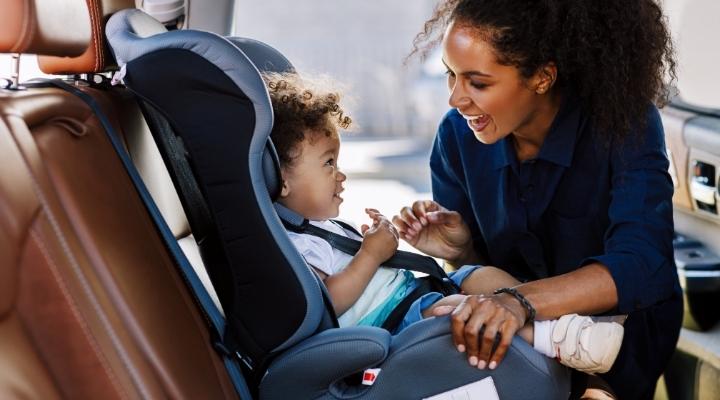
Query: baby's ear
[[285, 191]]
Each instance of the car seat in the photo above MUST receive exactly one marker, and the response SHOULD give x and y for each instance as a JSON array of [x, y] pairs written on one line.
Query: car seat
[[210, 92]]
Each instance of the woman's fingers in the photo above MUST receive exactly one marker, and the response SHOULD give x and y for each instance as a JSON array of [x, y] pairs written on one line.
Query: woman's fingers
[[401, 225], [457, 321], [439, 311], [476, 324], [487, 341], [411, 221], [507, 332], [420, 209], [444, 217], [472, 331]]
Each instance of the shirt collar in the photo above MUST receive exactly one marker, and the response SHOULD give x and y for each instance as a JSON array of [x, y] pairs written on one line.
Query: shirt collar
[[559, 145]]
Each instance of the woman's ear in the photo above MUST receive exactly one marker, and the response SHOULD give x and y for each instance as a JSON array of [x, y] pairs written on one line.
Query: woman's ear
[[545, 78]]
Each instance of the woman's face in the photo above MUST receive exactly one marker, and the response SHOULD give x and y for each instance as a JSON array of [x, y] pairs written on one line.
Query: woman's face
[[494, 99]]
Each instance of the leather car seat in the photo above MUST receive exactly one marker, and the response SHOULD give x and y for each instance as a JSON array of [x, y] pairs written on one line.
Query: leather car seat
[[91, 304]]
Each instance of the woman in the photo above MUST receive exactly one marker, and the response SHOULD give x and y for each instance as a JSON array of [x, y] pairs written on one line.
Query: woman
[[552, 167]]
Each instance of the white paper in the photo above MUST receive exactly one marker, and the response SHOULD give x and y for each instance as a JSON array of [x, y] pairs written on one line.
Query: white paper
[[483, 389]]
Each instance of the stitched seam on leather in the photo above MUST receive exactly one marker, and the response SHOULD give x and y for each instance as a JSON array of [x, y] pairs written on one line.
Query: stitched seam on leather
[[88, 291], [83, 281], [23, 37], [74, 309], [96, 34]]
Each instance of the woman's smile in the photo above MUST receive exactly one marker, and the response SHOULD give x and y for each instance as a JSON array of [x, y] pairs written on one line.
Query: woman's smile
[[478, 122]]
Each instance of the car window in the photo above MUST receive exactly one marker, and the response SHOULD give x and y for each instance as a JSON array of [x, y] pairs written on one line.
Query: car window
[[395, 107], [28, 67]]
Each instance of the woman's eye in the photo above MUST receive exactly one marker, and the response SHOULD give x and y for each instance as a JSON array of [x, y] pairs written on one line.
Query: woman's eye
[[449, 73], [478, 85]]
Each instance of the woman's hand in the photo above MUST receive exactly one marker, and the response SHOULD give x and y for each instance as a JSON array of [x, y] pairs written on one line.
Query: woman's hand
[[380, 241], [479, 319], [434, 230], [443, 306]]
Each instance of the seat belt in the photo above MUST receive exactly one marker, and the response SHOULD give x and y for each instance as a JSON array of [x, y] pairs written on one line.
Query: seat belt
[[400, 260], [435, 281], [181, 173], [231, 358]]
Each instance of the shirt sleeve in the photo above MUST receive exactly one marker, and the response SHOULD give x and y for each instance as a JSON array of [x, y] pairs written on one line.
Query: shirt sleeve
[[448, 180], [638, 241], [316, 252]]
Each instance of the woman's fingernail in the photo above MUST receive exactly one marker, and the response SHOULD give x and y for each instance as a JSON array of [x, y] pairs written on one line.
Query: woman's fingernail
[[493, 365], [423, 221], [461, 348], [417, 226], [481, 364], [473, 361]]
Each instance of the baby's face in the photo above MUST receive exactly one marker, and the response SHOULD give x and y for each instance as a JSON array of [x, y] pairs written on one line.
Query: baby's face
[[312, 186]]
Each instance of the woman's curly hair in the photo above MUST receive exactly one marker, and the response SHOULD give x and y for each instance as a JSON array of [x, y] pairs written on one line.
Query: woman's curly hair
[[615, 55], [303, 108]]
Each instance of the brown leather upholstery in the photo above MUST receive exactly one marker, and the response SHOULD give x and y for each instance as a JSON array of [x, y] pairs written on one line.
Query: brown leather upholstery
[[44, 27], [91, 305], [97, 57]]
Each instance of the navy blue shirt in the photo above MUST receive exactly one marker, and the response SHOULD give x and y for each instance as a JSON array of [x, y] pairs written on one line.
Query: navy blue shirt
[[585, 198]]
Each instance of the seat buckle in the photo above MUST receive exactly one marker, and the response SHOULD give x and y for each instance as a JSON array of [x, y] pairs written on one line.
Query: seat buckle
[[245, 360]]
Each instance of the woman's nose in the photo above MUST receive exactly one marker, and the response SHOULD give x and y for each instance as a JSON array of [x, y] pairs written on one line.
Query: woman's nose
[[458, 98]]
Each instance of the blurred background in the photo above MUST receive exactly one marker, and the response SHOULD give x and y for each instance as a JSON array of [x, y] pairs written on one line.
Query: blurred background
[[396, 106]]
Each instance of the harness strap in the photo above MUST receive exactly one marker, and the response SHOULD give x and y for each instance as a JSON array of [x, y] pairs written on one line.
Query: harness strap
[[400, 260]]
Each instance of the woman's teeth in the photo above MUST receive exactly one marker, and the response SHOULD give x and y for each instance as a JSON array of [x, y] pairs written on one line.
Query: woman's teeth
[[478, 123]]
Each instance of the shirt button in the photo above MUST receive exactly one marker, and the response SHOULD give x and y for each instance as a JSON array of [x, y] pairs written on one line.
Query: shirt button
[[523, 198]]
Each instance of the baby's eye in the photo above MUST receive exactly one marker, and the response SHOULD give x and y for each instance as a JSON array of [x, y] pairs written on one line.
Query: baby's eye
[[330, 162]]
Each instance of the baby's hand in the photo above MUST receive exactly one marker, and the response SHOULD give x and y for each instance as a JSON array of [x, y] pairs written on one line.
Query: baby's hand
[[380, 240]]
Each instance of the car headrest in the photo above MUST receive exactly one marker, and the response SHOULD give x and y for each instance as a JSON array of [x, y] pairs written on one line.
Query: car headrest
[[97, 56], [43, 27]]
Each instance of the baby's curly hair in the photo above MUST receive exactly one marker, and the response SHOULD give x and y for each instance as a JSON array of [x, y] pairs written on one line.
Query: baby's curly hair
[[614, 54], [303, 108]]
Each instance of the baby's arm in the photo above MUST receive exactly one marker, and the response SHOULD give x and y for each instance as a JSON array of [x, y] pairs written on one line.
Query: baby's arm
[[379, 243]]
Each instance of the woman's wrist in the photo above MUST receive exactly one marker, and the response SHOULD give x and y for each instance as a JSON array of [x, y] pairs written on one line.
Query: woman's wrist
[[528, 309], [466, 257]]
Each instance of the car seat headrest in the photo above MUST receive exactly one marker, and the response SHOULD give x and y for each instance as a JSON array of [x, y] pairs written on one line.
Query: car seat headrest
[[97, 57], [41, 27], [266, 59]]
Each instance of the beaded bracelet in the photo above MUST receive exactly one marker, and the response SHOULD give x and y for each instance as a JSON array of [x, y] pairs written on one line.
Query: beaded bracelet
[[529, 309]]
